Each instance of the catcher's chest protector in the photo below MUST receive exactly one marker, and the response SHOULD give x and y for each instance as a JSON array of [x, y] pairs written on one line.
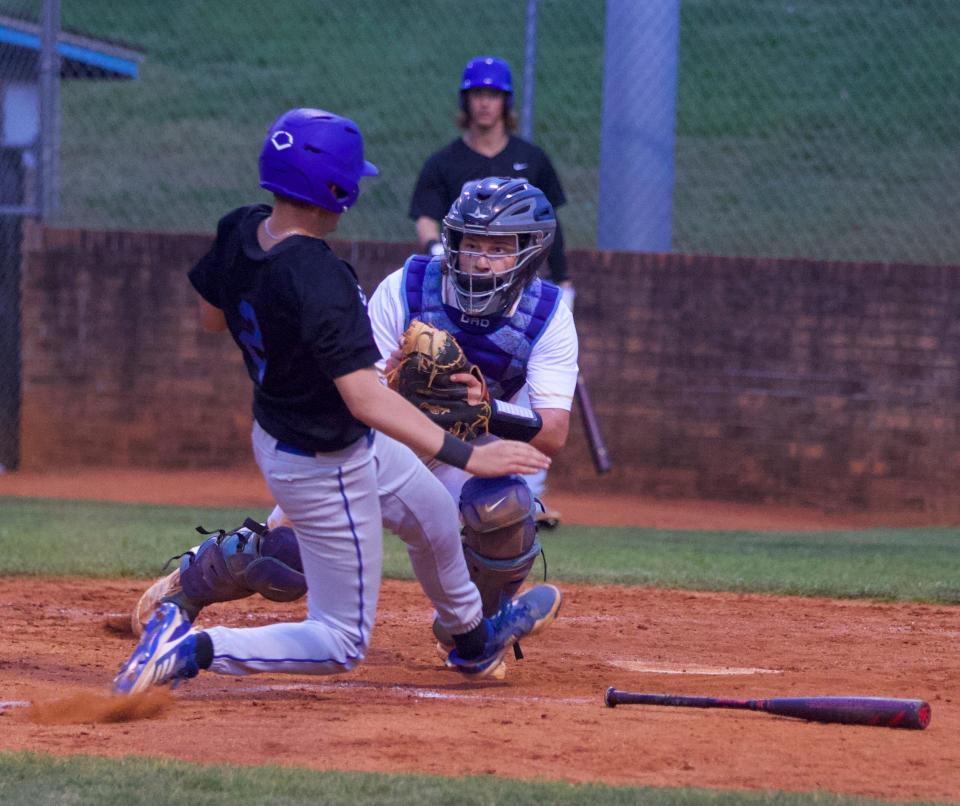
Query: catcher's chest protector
[[501, 348]]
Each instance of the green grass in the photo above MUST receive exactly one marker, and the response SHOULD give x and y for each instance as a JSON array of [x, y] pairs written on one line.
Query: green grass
[[47, 537], [39, 779], [911, 564], [39, 536], [815, 128]]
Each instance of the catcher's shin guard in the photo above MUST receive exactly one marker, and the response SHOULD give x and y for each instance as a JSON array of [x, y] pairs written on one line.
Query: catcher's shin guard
[[228, 566], [499, 536]]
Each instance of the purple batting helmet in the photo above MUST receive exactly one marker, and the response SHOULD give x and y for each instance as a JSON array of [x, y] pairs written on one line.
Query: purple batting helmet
[[315, 157], [487, 71]]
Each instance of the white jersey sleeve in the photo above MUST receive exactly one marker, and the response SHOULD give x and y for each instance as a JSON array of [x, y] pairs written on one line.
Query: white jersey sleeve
[[552, 369], [387, 312]]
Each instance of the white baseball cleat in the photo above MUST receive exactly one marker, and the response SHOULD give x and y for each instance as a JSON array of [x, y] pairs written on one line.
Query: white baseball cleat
[[147, 604]]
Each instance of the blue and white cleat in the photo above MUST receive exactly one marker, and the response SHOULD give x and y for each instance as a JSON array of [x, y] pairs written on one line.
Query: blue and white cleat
[[524, 616], [167, 651]]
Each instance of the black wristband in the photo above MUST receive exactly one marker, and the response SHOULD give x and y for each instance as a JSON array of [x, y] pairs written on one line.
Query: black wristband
[[510, 421], [454, 451]]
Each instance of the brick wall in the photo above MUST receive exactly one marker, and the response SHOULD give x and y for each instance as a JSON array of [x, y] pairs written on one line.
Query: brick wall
[[785, 380]]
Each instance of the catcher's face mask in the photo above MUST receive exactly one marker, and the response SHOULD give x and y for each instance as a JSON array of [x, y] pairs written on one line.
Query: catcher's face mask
[[488, 271], [486, 257], [487, 276]]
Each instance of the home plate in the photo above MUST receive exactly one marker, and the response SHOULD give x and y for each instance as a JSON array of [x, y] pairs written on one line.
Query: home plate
[[672, 667]]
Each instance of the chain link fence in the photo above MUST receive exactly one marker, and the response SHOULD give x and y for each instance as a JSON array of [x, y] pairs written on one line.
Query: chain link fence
[[821, 128], [816, 128]]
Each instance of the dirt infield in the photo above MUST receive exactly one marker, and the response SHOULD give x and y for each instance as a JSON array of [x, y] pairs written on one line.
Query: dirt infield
[[401, 712]]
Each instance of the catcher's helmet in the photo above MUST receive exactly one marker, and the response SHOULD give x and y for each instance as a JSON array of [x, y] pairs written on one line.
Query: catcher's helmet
[[487, 71], [315, 157], [497, 206]]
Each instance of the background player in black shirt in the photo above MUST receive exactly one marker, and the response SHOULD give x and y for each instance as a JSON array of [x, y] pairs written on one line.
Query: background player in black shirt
[[299, 317], [487, 147]]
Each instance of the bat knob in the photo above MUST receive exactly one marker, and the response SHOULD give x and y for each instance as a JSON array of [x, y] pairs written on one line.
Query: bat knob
[[608, 698]]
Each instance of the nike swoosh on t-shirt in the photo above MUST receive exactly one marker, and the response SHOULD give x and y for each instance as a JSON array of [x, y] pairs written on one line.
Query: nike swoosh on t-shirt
[[519, 166]]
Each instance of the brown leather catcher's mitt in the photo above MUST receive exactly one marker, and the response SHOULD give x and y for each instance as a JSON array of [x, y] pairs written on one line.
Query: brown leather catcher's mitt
[[430, 357]]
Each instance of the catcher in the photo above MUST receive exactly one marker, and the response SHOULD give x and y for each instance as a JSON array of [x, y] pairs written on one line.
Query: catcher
[[464, 336]]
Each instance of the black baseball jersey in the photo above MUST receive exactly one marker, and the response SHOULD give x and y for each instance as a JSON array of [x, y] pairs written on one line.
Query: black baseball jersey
[[300, 319], [445, 172]]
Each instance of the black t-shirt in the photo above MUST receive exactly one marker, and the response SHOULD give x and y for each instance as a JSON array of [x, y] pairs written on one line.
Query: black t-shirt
[[445, 172], [300, 319]]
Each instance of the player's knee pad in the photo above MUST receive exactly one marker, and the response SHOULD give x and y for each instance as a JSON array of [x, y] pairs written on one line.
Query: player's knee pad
[[277, 571], [499, 536], [238, 564]]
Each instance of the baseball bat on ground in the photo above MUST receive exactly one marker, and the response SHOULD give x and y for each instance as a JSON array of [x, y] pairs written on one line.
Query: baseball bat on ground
[[591, 426], [885, 712]]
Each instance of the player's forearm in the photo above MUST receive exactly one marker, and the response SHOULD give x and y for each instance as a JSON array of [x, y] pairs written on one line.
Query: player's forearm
[[557, 260], [545, 429], [212, 319], [383, 409], [400, 420], [553, 435], [428, 229]]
